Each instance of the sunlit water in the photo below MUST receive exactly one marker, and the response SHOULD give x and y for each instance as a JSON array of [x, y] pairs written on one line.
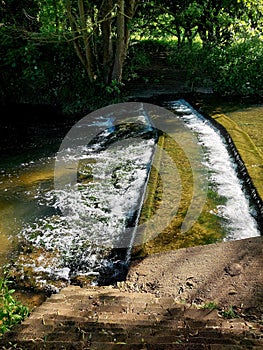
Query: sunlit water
[[81, 224], [238, 215], [84, 221]]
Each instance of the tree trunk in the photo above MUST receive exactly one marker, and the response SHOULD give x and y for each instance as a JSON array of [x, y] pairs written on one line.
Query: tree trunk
[[119, 53], [125, 15], [106, 28], [89, 60]]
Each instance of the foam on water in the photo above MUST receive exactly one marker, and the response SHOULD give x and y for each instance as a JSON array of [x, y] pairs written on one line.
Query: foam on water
[[92, 215], [238, 216]]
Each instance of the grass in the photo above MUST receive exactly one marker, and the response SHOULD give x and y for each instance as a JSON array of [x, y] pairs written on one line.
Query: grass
[[211, 305], [228, 313]]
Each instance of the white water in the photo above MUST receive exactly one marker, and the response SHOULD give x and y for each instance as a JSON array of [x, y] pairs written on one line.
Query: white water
[[92, 215], [237, 215]]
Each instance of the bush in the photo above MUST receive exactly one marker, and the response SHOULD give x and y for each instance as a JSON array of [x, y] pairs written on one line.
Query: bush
[[237, 69], [12, 311], [48, 73]]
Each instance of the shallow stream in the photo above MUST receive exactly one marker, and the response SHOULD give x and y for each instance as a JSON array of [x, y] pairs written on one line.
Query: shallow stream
[[66, 228]]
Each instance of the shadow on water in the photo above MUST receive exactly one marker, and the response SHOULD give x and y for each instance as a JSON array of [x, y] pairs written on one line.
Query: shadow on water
[[28, 132]]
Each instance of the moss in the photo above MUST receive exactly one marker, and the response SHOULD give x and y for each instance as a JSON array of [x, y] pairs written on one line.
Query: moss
[[245, 126], [209, 226]]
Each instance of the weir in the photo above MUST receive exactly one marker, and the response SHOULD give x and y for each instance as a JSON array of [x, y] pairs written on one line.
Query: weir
[[247, 215], [101, 174], [255, 201]]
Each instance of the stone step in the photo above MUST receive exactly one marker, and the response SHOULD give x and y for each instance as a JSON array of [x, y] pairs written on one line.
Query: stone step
[[114, 307], [123, 334], [108, 318], [110, 297], [71, 345], [107, 336]]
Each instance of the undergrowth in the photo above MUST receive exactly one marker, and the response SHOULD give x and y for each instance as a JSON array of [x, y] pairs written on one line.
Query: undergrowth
[[12, 312]]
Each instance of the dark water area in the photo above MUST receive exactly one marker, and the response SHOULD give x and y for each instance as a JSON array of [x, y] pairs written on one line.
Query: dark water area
[[31, 131], [205, 103], [42, 127]]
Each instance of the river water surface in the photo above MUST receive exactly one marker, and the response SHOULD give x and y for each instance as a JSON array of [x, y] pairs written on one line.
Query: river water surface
[[110, 183]]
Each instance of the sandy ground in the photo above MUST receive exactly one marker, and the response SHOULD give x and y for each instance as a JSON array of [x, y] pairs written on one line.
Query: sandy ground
[[228, 274]]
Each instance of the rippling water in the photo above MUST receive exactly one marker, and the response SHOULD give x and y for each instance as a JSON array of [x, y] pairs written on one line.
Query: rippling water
[[239, 216], [75, 228]]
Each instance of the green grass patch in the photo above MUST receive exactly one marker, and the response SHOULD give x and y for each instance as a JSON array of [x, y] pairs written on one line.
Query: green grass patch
[[229, 313], [211, 305]]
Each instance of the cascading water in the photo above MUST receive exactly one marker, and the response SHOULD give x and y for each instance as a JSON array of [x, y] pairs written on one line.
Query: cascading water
[[85, 231], [239, 216], [94, 220]]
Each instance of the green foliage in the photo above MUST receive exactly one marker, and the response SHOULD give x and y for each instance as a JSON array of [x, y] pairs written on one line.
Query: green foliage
[[114, 88], [49, 73], [229, 313], [38, 66], [12, 311], [215, 22], [211, 305], [191, 61], [238, 69]]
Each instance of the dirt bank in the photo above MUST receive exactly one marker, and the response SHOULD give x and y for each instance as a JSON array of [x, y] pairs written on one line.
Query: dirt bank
[[228, 274]]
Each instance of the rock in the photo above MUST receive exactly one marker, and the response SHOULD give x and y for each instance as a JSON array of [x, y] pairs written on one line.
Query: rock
[[232, 292], [233, 269]]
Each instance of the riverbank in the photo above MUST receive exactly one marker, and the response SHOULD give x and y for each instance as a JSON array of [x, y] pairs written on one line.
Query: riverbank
[[205, 297], [227, 274]]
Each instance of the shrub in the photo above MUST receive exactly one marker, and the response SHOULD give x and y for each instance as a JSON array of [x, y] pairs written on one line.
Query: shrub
[[12, 311], [237, 69]]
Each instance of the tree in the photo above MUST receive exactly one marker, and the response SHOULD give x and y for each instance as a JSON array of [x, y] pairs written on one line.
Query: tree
[[19, 14], [99, 31], [216, 22]]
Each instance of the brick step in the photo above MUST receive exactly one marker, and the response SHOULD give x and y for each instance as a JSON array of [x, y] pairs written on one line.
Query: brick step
[[102, 340], [108, 333], [43, 345], [128, 331], [111, 297], [114, 307]]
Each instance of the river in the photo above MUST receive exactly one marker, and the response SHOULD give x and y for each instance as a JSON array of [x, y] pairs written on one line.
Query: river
[[55, 221]]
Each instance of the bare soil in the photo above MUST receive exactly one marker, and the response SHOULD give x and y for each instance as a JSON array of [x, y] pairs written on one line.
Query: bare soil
[[228, 275]]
